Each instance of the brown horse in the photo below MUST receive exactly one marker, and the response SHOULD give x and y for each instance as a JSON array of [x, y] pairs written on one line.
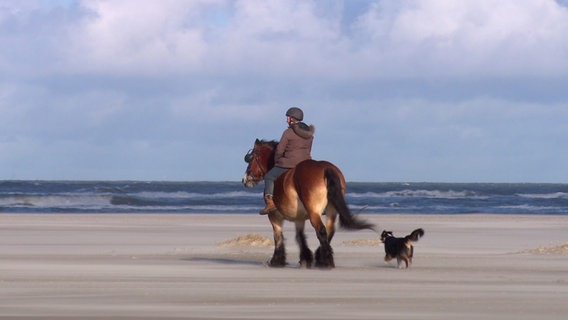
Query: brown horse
[[308, 191]]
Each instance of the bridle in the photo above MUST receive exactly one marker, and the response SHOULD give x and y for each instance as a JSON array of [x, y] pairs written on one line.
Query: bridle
[[249, 158]]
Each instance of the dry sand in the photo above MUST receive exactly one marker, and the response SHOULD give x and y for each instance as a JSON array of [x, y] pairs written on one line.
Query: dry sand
[[150, 266]]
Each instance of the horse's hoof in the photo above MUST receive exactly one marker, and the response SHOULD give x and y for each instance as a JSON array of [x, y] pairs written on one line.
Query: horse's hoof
[[276, 264], [324, 258], [325, 265]]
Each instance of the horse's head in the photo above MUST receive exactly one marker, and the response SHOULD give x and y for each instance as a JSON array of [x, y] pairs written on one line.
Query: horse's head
[[260, 159]]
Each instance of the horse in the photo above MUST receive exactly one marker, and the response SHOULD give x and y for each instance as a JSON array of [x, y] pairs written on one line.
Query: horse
[[305, 192]]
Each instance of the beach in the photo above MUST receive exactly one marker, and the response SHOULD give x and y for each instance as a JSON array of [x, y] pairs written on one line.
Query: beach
[[213, 266]]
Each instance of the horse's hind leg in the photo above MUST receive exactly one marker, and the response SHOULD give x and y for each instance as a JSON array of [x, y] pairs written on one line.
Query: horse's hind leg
[[324, 254], [279, 257], [306, 255], [330, 223]]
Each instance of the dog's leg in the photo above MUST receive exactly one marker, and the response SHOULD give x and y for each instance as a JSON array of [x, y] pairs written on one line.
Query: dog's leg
[[406, 261]]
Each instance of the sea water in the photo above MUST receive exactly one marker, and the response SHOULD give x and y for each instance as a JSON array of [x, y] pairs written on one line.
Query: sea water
[[232, 197]]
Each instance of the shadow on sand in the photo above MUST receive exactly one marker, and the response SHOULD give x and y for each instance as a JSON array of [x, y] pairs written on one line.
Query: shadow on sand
[[226, 261]]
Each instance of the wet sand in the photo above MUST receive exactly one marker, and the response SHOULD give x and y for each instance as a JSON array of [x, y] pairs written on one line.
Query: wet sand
[[150, 266]]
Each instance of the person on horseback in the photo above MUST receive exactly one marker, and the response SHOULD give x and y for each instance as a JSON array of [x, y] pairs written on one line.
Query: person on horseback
[[294, 146]]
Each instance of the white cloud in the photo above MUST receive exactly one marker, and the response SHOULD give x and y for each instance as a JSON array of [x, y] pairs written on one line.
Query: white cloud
[[139, 37], [469, 37], [280, 38]]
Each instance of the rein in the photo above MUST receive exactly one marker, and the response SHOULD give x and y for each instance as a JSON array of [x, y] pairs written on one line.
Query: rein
[[252, 156]]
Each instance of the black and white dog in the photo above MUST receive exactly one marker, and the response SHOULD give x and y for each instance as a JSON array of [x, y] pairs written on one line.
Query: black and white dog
[[400, 248]]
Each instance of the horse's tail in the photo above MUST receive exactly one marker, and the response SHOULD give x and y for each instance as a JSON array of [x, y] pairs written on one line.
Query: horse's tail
[[335, 196]]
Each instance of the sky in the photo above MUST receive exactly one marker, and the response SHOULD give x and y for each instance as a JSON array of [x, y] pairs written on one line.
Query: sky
[[178, 90]]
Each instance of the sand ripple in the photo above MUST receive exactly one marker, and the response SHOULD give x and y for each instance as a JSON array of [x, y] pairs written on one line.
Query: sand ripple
[[560, 249], [248, 240], [362, 242]]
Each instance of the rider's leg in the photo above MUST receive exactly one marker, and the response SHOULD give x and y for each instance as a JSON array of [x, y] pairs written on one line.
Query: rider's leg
[[269, 188]]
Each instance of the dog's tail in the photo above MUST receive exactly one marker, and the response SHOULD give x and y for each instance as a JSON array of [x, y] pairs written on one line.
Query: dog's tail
[[415, 235]]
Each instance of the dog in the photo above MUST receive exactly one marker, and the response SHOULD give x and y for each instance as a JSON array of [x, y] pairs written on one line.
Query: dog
[[400, 248]]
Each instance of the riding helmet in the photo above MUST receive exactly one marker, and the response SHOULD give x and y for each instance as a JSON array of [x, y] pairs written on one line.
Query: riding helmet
[[295, 113]]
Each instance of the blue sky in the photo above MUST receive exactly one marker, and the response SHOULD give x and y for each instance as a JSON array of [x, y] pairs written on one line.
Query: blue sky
[[431, 90]]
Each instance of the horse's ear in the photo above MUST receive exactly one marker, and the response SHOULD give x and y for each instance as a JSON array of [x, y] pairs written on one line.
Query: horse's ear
[[257, 141]]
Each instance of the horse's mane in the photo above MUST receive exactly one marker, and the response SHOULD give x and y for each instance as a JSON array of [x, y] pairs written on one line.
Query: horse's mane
[[271, 143]]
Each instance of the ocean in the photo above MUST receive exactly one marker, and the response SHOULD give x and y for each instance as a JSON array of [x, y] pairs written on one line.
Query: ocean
[[91, 197]]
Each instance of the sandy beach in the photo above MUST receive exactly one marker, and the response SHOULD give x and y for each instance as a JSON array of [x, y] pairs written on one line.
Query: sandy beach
[[149, 266]]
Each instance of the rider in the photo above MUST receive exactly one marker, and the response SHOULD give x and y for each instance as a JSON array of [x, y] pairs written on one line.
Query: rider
[[294, 146]]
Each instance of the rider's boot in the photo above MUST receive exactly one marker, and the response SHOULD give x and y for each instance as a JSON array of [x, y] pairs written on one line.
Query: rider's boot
[[270, 206]]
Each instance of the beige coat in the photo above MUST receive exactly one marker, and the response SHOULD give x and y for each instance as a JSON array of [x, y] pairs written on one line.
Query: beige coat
[[295, 145]]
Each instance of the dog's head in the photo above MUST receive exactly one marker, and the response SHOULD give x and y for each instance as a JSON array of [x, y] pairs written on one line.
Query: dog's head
[[386, 234]]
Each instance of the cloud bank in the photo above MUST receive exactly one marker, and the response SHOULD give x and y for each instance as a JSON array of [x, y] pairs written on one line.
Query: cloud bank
[[178, 90]]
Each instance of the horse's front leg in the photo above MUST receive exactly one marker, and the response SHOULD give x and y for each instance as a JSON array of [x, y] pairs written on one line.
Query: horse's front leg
[[306, 255], [279, 257]]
